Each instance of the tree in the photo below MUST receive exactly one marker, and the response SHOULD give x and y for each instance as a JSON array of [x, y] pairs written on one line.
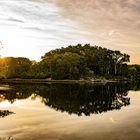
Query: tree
[[100, 60], [72, 62], [119, 59], [15, 67], [39, 70], [67, 66], [132, 72]]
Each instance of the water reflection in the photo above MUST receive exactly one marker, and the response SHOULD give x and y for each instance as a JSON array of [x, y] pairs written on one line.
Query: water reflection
[[77, 99], [4, 113]]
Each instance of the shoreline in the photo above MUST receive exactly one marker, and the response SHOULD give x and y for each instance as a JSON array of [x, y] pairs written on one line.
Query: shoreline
[[46, 81]]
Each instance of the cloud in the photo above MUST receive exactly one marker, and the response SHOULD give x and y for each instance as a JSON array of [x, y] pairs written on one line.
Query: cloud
[[43, 25], [33, 25], [112, 23]]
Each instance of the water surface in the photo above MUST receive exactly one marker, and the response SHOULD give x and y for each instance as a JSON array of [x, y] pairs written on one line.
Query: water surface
[[72, 112]]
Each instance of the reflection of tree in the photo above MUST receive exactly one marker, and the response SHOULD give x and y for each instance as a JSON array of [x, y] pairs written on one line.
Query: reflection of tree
[[87, 99], [4, 113], [7, 138], [77, 99]]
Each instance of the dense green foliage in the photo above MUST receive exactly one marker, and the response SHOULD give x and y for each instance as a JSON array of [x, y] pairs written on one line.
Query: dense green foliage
[[39, 70], [134, 72], [11, 67], [67, 65], [96, 60], [72, 62]]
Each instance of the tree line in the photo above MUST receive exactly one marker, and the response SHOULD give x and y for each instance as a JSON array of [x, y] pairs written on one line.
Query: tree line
[[73, 62]]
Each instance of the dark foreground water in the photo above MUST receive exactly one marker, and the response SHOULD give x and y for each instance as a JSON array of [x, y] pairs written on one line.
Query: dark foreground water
[[70, 112]]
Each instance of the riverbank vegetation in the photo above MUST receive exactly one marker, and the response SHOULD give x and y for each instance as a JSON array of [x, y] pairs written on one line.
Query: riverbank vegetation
[[72, 63]]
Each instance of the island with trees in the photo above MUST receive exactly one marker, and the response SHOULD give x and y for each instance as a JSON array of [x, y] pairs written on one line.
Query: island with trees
[[77, 62]]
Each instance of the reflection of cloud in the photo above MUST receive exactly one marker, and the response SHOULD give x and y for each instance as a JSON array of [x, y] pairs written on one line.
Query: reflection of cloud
[[112, 120]]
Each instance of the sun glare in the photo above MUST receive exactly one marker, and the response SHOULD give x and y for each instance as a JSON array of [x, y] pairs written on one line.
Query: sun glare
[[2, 57]]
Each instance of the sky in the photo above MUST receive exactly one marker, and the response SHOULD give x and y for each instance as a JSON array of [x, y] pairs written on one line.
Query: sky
[[30, 28]]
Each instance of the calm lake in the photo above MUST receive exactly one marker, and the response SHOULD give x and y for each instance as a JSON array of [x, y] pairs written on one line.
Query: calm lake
[[70, 112]]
